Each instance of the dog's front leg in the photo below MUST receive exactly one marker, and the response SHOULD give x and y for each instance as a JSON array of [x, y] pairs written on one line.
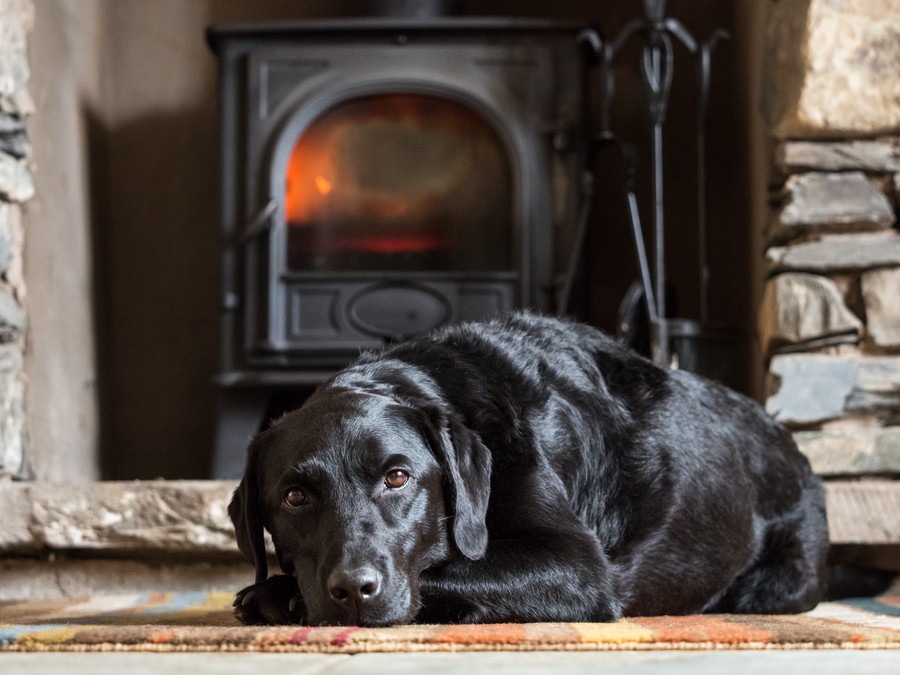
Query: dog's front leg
[[548, 579], [276, 601]]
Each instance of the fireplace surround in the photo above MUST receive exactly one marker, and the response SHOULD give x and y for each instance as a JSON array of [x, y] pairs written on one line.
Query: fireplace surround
[[187, 520], [382, 177]]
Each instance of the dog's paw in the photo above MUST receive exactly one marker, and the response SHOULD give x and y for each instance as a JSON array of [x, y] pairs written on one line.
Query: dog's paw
[[276, 601]]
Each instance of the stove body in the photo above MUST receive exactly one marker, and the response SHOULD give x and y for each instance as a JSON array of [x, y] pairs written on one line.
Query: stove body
[[381, 178]]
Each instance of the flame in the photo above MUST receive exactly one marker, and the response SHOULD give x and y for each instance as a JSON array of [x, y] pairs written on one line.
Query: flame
[[323, 184]]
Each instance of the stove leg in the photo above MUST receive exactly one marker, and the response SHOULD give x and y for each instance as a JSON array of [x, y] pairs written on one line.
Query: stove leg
[[240, 414]]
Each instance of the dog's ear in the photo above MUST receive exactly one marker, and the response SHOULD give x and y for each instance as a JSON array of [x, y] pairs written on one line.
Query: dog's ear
[[246, 515], [466, 463]]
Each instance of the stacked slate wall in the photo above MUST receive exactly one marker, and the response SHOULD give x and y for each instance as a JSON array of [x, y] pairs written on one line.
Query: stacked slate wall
[[830, 317]]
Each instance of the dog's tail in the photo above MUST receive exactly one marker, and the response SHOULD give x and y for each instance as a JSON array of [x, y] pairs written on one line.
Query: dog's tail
[[852, 581]]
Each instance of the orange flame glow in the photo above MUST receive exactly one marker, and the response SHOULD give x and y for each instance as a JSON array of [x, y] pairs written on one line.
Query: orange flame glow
[[323, 185], [359, 162]]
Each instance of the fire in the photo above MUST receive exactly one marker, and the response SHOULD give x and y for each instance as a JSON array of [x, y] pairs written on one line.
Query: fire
[[358, 161], [394, 174], [323, 184]]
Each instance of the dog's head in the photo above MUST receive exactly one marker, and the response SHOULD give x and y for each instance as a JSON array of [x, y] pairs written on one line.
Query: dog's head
[[361, 494]]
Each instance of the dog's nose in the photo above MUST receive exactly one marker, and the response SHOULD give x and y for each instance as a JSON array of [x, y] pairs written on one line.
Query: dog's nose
[[354, 587]]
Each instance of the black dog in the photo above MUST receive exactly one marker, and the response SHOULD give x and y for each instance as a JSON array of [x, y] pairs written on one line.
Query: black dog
[[526, 469]]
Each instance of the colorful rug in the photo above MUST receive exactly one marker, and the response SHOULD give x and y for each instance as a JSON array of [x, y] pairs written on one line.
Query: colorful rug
[[203, 622]]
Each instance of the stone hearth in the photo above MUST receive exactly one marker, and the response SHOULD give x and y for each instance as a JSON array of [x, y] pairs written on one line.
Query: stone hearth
[[66, 540]]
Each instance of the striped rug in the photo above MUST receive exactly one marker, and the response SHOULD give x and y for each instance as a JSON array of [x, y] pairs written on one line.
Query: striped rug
[[203, 622]]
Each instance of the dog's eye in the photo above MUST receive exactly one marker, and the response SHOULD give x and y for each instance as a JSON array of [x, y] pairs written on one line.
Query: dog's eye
[[395, 479], [295, 497]]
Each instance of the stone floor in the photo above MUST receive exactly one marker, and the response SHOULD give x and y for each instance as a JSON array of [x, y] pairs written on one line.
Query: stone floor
[[541, 663]]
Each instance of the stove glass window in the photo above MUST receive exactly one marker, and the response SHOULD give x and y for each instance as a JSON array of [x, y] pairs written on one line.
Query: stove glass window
[[399, 182]]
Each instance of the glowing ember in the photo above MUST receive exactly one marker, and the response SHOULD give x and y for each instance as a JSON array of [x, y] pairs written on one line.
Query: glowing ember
[[410, 244]]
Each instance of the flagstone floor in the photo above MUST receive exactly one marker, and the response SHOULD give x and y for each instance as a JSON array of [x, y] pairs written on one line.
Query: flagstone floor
[[541, 663]]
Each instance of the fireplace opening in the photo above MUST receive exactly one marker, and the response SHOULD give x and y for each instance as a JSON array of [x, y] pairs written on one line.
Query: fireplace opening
[[399, 181]]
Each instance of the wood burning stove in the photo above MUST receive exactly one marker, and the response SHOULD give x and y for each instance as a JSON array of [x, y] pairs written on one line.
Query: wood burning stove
[[380, 178]]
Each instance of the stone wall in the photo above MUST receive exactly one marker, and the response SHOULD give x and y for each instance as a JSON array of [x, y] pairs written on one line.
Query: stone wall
[[830, 316], [16, 17]]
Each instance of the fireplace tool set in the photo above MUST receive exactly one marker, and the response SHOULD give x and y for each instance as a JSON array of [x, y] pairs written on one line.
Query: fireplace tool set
[[686, 343]]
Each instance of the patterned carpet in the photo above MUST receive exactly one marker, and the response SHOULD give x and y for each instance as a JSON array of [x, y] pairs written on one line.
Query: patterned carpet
[[203, 622]]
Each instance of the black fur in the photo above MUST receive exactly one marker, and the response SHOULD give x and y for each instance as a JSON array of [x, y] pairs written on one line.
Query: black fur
[[554, 476]]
